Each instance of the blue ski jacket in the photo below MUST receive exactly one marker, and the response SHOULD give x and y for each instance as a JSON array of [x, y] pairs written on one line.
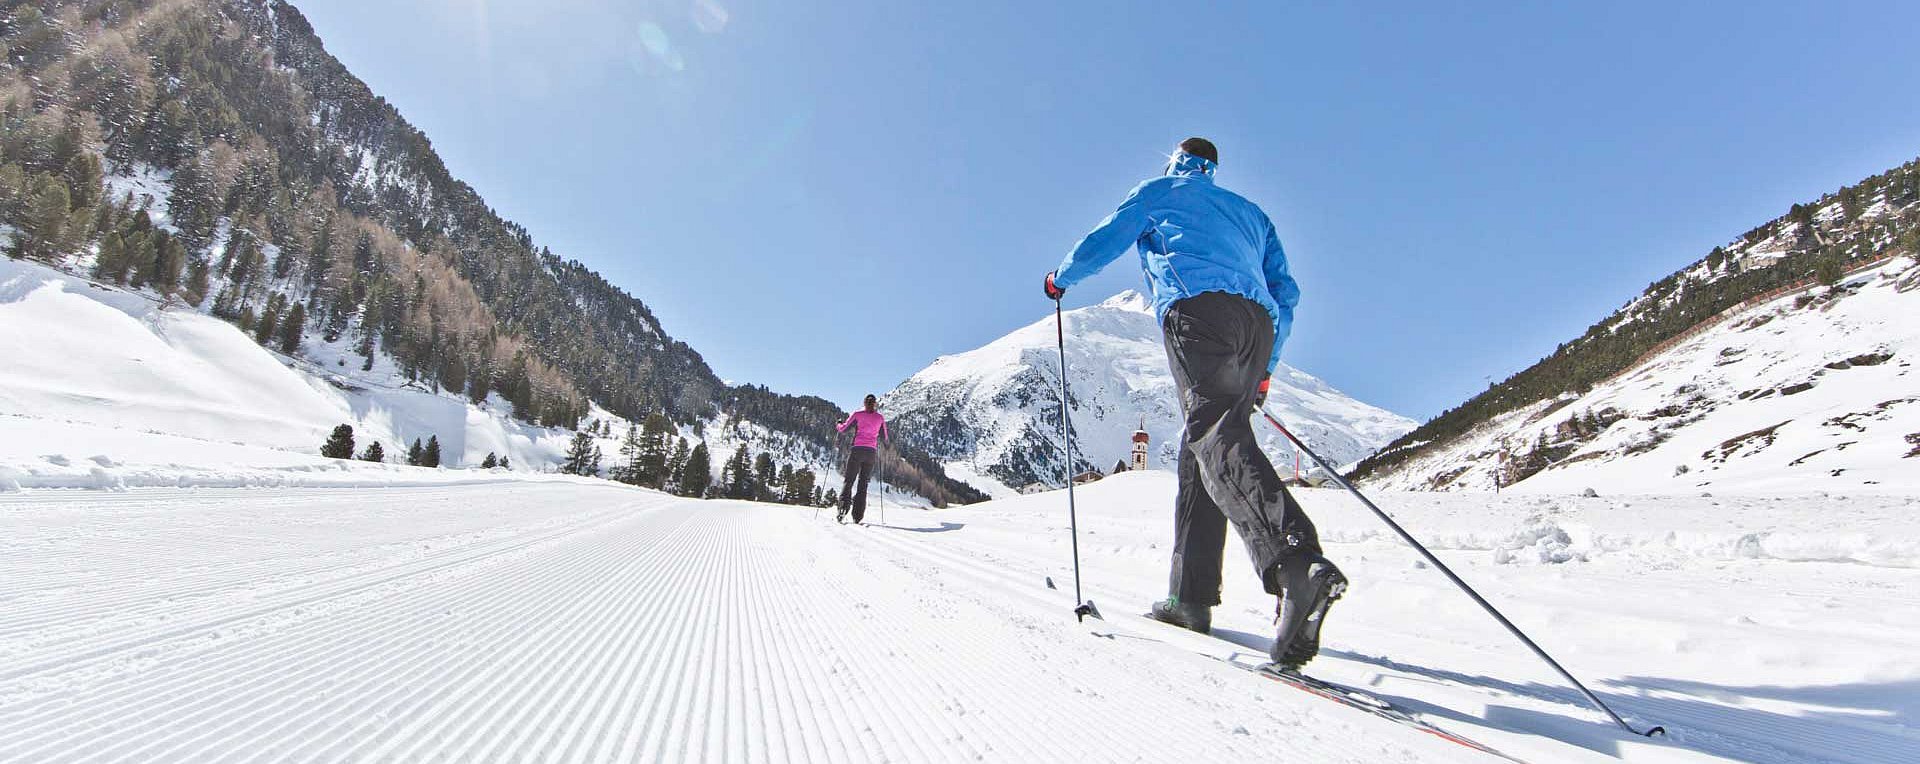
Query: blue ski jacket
[[1193, 237]]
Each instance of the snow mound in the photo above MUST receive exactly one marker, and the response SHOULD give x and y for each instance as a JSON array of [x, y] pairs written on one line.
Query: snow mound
[[1540, 541]]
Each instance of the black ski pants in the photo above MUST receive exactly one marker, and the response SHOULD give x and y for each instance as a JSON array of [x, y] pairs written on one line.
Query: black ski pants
[[1218, 345], [860, 461]]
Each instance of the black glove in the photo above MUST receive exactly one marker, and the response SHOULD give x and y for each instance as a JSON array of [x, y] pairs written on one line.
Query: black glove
[[1260, 392], [1054, 292]]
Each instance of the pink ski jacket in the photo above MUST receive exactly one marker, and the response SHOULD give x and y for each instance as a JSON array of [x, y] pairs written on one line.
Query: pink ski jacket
[[868, 428]]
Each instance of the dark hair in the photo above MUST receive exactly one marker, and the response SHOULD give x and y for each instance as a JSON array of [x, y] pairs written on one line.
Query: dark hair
[[872, 403], [1202, 148]]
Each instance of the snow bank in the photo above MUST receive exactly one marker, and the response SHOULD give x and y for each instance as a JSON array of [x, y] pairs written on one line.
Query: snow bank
[[37, 453], [92, 359], [1514, 528]]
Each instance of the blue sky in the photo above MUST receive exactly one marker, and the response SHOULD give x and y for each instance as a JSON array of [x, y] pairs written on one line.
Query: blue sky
[[824, 197]]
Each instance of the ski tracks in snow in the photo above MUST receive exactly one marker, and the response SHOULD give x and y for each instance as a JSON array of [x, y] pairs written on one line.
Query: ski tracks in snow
[[577, 623]]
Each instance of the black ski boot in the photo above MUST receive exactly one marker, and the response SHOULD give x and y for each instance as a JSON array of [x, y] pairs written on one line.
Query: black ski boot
[[1309, 586], [1182, 614]]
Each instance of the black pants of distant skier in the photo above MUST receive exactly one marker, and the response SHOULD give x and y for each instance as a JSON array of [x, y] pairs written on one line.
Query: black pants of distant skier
[[853, 493], [1218, 345]]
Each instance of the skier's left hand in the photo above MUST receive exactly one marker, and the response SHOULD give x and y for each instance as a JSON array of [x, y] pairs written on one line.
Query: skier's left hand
[[1260, 392], [1053, 292]]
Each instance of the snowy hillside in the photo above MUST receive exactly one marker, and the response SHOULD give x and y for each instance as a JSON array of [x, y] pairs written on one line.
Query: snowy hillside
[[79, 353], [111, 388], [594, 622], [1814, 390], [1690, 368], [993, 413]]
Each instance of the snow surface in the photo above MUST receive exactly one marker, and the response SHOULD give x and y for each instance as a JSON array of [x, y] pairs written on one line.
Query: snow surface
[[1815, 391], [1004, 398], [576, 621]]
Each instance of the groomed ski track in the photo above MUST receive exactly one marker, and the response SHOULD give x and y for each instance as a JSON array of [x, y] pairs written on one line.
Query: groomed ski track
[[573, 622], [564, 623]]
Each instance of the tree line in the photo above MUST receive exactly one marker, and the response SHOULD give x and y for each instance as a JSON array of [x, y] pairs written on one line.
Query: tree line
[[340, 445], [654, 455]]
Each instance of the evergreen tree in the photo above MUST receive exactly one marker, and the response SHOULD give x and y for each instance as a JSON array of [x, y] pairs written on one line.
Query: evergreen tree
[[736, 478], [832, 499], [765, 477], [82, 176], [676, 466], [506, 463], [197, 281], [292, 327], [339, 312], [416, 453], [431, 457], [369, 329], [191, 205], [1828, 270], [583, 456], [799, 489], [374, 453], [45, 221], [630, 473], [490, 462], [110, 264], [479, 382], [650, 467], [269, 321], [696, 474], [339, 445]]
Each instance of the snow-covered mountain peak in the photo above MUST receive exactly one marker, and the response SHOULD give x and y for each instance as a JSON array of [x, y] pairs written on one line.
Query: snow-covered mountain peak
[[993, 412], [1130, 299]]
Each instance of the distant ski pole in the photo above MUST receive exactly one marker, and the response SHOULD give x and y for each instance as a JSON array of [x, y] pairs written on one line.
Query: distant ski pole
[[1442, 567], [1081, 607]]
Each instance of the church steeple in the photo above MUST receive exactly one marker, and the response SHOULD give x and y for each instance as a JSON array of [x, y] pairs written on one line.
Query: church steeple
[[1140, 439]]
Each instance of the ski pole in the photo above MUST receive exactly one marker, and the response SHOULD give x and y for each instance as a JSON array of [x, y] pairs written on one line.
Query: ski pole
[[1081, 608], [1442, 567]]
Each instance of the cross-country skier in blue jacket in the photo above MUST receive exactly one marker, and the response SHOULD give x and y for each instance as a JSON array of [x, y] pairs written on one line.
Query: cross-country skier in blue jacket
[[1225, 303]]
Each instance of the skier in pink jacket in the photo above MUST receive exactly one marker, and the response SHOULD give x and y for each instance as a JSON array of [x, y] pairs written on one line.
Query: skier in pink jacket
[[869, 428]]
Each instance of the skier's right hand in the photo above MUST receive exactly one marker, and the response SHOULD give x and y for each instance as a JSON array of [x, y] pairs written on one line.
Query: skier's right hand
[[1054, 292], [1260, 392]]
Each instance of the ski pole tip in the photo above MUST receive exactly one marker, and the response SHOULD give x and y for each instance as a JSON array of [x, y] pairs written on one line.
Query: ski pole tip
[[1657, 731]]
